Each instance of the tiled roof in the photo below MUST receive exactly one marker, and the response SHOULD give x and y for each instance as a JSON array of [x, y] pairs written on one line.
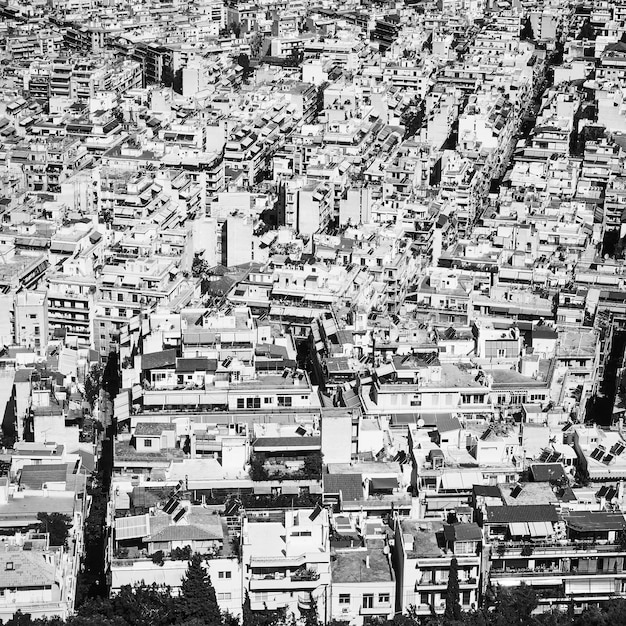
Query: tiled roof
[[545, 472], [595, 521], [201, 364], [34, 476], [25, 569], [462, 532], [165, 358], [487, 491], [145, 429], [350, 485], [287, 442], [521, 513], [197, 527], [447, 423]]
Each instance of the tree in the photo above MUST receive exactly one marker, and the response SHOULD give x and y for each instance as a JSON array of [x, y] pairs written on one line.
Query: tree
[[110, 377], [413, 116], [514, 607], [106, 216], [312, 467], [199, 266], [310, 617], [141, 605], [197, 595], [587, 32], [258, 470], [243, 60], [93, 382], [453, 605], [266, 617], [56, 525], [527, 31]]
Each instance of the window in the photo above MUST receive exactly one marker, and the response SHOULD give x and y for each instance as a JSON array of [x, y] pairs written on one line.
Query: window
[[383, 598], [120, 297], [240, 403], [147, 443], [225, 575], [267, 400], [284, 400], [253, 403], [467, 596], [368, 600], [223, 596], [344, 598], [424, 599]]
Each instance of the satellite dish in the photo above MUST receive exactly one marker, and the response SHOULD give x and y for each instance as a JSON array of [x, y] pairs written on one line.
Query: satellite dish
[[421, 423]]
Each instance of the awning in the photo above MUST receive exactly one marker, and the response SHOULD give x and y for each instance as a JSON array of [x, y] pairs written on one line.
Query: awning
[[385, 369], [519, 529], [132, 527], [461, 480], [384, 484], [452, 480], [540, 529]]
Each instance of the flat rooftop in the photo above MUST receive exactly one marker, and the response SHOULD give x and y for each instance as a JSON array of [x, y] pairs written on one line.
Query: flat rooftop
[[354, 567], [423, 536]]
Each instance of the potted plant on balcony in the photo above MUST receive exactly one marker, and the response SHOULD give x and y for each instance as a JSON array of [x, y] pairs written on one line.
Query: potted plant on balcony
[[158, 558], [305, 574], [527, 550]]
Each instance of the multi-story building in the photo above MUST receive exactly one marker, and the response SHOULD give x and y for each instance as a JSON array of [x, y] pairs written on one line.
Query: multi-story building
[[286, 560], [422, 556]]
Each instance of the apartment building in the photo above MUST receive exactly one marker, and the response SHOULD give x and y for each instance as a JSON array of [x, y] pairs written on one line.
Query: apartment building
[[422, 555], [286, 560]]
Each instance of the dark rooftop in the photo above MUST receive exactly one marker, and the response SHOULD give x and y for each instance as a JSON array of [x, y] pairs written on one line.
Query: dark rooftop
[[165, 358], [349, 485], [521, 513]]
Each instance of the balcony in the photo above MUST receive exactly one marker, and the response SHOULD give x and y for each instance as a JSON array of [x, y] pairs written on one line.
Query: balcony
[[379, 609], [427, 581], [300, 579], [305, 601], [505, 548], [557, 572]]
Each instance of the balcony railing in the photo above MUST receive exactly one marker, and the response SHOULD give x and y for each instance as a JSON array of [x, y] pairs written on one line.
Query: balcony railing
[[524, 572], [543, 547], [305, 579]]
